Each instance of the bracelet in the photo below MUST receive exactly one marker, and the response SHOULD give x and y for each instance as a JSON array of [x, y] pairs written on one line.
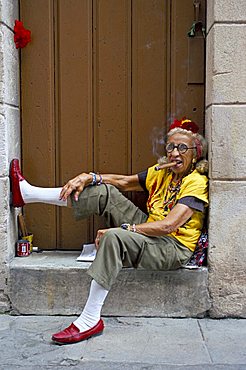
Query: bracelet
[[94, 178], [100, 180], [126, 227], [129, 227]]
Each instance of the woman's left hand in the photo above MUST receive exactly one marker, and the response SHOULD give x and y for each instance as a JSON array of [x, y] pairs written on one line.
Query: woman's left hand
[[99, 235]]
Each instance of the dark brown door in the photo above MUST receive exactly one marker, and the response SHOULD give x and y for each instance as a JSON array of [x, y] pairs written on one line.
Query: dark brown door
[[99, 80]]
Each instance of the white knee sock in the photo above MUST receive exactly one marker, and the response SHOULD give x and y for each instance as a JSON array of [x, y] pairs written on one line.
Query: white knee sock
[[92, 311], [34, 194]]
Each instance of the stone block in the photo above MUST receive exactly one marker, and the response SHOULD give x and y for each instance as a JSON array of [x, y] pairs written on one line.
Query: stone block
[[226, 70], [209, 69], [3, 245], [225, 11], [13, 127], [227, 252], [53, 283], [4, 205], [4, 302], [9, 136], [3, 270], [8, 223], [2, 87], [3, 141], [226, 135], [210, 15], [9, 12], [9, 68], [3, 275], [180, 293], [208, 126]]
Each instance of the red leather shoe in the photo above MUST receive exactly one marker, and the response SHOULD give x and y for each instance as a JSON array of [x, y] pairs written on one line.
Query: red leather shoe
[[15, 178], [72, 334]]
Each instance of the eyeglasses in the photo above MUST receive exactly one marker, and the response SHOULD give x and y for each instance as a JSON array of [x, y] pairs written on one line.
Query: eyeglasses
[[182, 148]]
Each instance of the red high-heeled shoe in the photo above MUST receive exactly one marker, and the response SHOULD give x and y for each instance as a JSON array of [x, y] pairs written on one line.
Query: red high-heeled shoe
[[16, 176]]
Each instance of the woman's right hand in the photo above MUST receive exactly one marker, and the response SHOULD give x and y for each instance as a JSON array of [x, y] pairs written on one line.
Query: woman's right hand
[[77, 184]]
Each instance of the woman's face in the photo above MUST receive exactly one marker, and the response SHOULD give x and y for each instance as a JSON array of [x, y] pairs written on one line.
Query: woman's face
[[184, 160]]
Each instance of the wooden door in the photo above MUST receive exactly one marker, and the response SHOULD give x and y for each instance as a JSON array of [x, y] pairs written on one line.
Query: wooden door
[[99, 80]]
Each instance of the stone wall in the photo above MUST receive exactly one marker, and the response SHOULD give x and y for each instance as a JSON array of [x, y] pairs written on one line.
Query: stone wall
[[225, 127], [9, 136]]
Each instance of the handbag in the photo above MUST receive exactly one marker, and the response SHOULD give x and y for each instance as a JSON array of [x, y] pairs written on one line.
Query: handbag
[[199, 256]]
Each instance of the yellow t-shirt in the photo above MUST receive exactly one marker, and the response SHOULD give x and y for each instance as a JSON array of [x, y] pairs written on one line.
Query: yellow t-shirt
[[160, 202]]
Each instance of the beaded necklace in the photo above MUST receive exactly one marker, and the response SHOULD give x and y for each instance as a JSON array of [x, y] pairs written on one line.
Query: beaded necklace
[[173, 190], [171, 194]]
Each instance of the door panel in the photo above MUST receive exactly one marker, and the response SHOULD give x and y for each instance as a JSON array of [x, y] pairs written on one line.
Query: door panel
[[38, 129], [149, 76], [112, 86], [187, 99], [100, 80], [150, 82], [73, 92]]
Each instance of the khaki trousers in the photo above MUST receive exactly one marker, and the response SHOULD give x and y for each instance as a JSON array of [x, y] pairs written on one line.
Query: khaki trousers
[[120, 248]]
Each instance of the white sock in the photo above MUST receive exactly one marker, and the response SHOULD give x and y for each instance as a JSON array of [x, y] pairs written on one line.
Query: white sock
[[92, 311], [34, 194]]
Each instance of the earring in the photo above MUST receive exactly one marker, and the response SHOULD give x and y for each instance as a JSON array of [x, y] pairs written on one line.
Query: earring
[[193, 164]]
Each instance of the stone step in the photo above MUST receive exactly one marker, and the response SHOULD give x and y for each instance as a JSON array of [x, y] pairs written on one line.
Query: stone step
[[54, 283]]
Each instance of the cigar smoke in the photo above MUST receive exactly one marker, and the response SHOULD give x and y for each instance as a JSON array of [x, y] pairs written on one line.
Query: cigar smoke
[[158, 142], [158, 147]]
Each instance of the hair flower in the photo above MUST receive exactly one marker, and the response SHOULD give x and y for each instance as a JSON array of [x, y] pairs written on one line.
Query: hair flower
[[185, 124], [22, 36]]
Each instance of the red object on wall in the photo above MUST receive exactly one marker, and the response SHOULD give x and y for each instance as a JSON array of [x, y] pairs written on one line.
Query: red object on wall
[[22, 36]]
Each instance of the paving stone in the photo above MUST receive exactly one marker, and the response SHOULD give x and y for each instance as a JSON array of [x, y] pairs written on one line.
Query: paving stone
[[127, 343]]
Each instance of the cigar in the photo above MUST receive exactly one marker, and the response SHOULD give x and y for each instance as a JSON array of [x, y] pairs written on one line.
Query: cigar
[[165, 165]]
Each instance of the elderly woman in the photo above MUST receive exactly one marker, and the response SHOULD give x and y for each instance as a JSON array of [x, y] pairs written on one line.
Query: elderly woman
[[163, 239]]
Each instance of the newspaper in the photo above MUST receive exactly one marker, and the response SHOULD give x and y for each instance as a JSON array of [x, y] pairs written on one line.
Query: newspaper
[[88, 253]]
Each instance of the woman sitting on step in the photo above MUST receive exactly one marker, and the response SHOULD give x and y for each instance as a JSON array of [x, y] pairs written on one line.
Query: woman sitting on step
[[162, 239]]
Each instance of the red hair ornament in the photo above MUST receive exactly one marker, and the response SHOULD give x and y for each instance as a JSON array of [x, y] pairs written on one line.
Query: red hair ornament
[[185, 124]]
